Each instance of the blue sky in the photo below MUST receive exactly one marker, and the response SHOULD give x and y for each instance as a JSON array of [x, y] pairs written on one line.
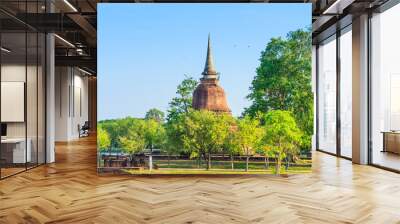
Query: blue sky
[[145, 50]]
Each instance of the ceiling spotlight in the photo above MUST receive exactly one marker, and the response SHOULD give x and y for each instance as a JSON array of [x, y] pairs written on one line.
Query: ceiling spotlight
[[70, 5], [79, 51], [65, 41], [5, 50]]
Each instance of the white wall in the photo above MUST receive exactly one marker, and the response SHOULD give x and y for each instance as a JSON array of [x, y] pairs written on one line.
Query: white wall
[[9, 73], [16, 73], [71, 102], [62, 82], [80, 110]]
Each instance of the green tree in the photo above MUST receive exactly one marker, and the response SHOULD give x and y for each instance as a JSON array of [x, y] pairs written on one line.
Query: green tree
[[117, 128], [154, 133], [205, 133], [248, 136], [132, 143], [281, 137], [231, 142], [155, 114], [103, 139], [133, 139], [263, 150], [182, 103], [174, 130], [283, 81], [168, 146], [111, 128], [178, 108]]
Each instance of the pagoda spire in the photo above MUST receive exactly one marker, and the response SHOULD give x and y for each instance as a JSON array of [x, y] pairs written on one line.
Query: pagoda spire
[[209, 70], [209, 95]]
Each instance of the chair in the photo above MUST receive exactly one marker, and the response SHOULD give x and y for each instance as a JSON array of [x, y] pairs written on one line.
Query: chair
[[84, 130]]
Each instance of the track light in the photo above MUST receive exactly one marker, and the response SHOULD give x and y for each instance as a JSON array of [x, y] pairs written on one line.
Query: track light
[[5, 50], [70, 5], [337, 7], [84, 71], [65, 41]]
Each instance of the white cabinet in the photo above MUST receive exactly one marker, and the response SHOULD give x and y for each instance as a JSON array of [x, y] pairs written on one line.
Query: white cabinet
[[19, 155]]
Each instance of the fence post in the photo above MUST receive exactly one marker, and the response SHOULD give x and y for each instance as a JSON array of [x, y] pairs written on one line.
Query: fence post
[[150, 162]]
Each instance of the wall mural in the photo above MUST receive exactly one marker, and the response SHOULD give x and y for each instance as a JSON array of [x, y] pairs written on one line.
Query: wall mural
[[204, 88]]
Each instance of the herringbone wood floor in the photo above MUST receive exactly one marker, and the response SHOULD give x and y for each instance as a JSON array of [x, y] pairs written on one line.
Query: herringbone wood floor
[[70, 191]]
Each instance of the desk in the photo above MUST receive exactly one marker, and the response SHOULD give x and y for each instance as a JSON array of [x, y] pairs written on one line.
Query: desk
[[391, 141], [13, 150]]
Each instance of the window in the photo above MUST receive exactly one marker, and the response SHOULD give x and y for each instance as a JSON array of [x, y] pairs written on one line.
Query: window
[[23, 89], [327, 95], [346, 92], [385, 88]]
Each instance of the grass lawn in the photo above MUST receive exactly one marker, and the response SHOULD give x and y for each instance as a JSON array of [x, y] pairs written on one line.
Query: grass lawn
[[291, 170], [182, 166], [225, 165]]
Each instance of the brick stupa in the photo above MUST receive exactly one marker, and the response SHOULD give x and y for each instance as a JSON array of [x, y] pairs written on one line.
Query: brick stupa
[[209, 95]]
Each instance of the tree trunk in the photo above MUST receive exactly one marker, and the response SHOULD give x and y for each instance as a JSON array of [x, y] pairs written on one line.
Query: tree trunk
[[109, 156], [130, 160], [287, 163], [278, 164], [205, 160], [247, 163], [233, 167], [266, 162], [209, 161]]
